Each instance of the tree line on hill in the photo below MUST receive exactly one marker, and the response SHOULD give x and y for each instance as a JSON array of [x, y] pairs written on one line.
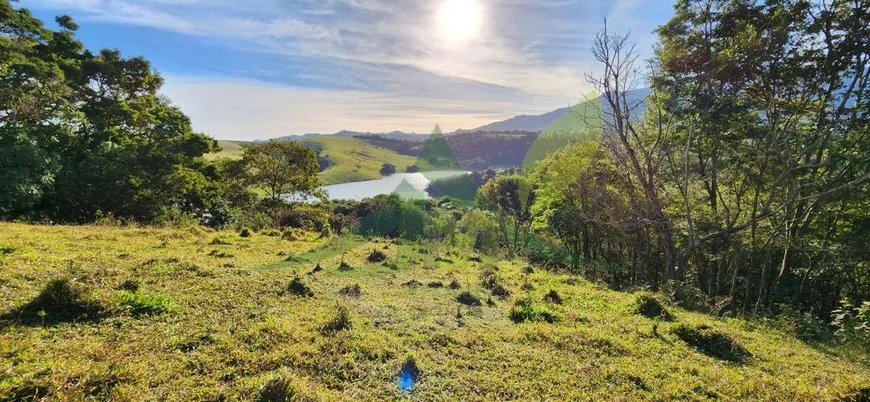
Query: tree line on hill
[[473, 150]]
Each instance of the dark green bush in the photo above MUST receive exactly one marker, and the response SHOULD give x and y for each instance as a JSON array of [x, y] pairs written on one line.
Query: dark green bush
[[649, 306], [302, 216], [394, 217], [553, 297], [468, 299], [711, 342], [298, 288]]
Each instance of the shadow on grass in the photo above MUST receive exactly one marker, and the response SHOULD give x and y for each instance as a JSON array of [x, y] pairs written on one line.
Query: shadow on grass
[[712, 343], [60, 301]]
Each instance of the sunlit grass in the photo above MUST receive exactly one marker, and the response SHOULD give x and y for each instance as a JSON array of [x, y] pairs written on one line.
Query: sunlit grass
[[231, 328]]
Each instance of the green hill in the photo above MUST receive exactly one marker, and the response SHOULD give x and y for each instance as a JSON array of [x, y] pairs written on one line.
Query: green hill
[[351, 159], [229, 149], [192, 314], [354, 159]]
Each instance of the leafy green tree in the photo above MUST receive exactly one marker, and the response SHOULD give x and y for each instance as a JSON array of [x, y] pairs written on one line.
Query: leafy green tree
[[83, 133], [482, 228], [395, 217], [281, 168], [579, 199], [770, 109], [511, 198]]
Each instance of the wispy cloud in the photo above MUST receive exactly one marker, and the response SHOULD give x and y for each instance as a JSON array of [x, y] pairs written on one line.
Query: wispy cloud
[[258, 110], [386, 54]]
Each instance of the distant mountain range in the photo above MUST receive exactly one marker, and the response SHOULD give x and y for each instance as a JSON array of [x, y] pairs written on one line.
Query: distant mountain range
[[525, 123]]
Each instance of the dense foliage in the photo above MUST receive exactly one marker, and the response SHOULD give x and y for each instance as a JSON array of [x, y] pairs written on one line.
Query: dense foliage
[[84, 133], [741, 180], [281, 168]]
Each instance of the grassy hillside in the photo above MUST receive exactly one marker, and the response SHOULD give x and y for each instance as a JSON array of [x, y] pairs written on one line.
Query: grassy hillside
[[192, 314], [353, 159], [229, 149]]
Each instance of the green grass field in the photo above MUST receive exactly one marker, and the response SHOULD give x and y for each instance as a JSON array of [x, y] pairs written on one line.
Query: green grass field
[[354, 159], [193, 314]]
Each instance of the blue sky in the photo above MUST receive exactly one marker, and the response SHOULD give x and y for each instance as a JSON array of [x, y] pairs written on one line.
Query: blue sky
[[256, 69]]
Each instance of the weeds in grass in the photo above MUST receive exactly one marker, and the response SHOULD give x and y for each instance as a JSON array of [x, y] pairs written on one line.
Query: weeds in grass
[[413, 283], [195, 342], [491, 281], [711, 342], [468, 299], [553, 297], [27, 390], [454, 284], [245, 232], [220, 241], [61, 300], [130, 285], [317, 268], [859, 394], [298, 288], [139, 304], [270, 232], [340, 321], [376, 256], [344, 266], [6, 250], [525, 310], [220, 254], [351, 291], [647, 305], [289, 235], [278, 389], [435, 285]]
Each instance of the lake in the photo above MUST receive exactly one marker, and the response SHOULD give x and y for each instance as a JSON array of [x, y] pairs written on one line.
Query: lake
[[415, 187]]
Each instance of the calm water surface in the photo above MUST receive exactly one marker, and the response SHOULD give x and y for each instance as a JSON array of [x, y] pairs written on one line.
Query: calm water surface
[[367, 189]]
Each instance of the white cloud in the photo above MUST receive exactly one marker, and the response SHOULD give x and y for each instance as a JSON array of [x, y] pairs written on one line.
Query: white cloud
[[529, 53], [247, 109]]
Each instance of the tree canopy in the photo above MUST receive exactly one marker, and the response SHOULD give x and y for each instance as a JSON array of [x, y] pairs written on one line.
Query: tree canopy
[[83, 133]]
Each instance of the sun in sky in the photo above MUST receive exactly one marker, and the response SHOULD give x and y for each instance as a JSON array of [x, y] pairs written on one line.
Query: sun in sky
[[459, 21]]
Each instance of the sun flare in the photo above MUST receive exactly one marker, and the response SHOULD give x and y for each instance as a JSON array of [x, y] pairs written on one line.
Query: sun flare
[[460, 21]]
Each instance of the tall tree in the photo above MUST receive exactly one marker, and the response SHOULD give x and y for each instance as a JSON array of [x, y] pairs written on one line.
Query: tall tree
[[84, 132], [511, 198], [282, 168]]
